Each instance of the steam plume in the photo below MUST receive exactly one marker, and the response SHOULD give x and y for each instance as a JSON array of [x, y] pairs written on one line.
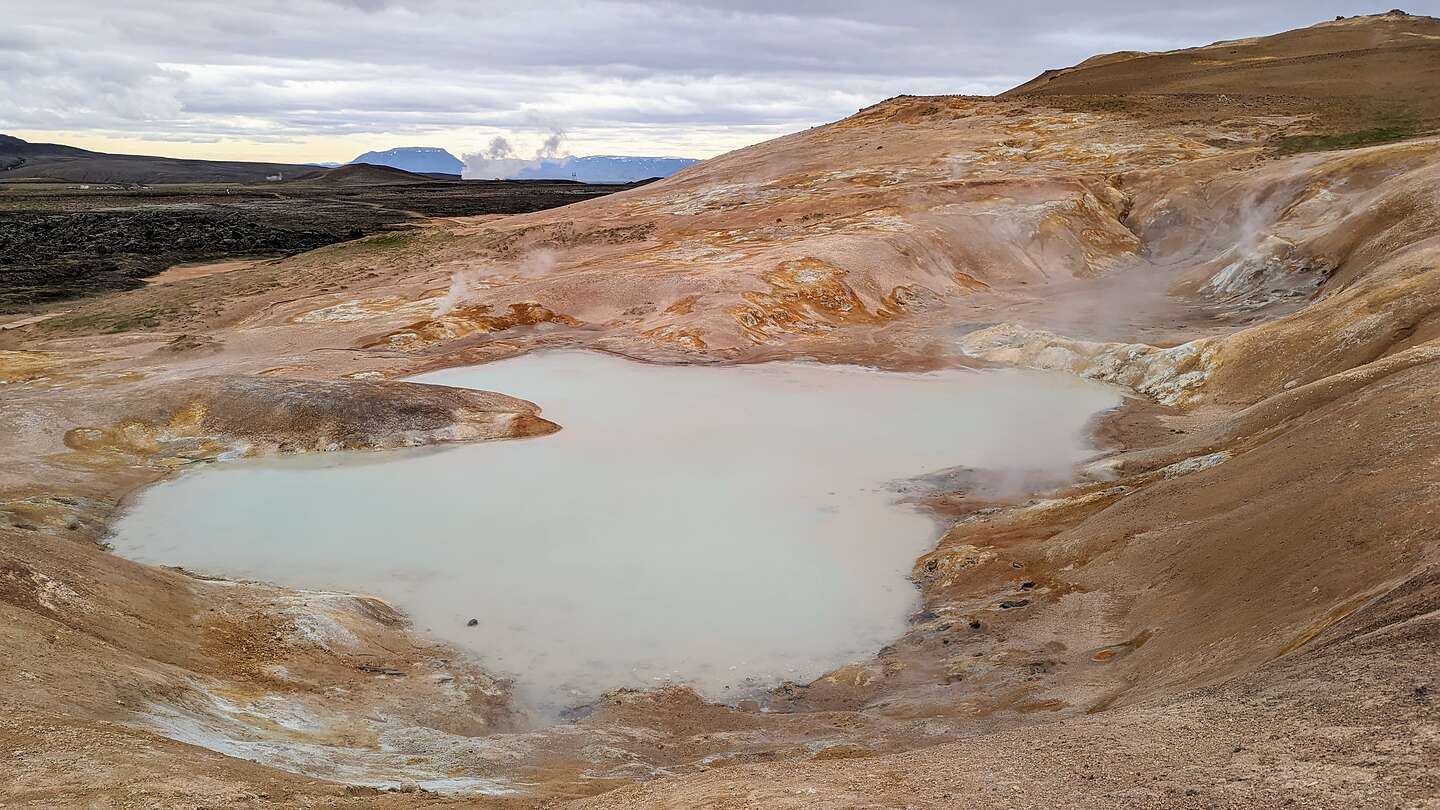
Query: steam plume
[[466, 285], [499, 149], [499, 160], [551, 147], [463, 286]]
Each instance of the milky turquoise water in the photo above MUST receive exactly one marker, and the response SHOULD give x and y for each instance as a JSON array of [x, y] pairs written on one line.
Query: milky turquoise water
[[726, 528]]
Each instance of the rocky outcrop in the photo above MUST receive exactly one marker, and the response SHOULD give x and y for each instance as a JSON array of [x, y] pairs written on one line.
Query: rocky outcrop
[[1171, 376], [231, 417]]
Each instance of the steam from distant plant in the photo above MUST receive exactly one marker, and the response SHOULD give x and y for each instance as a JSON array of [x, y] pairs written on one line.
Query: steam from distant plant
[[499, 149], [499, 160], [551, 147]]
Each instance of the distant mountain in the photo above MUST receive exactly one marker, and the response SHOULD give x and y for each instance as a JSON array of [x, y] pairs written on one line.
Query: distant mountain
[[22, 160], [417, 159], [603, 168]]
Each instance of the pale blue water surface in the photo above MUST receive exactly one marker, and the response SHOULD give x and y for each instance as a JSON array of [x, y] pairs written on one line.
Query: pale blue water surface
[[726, 528]]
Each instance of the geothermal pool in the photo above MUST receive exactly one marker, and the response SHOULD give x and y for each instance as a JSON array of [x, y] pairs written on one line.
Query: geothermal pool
[[726, 528]]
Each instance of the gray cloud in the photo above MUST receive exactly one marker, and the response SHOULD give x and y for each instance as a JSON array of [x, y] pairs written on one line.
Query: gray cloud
[[271, 70]]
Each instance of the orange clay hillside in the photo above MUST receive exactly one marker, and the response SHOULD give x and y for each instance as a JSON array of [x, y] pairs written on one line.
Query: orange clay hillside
[[1365, 79]]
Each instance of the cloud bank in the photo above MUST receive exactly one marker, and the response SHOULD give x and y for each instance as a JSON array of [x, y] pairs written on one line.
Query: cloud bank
[[682, 77]]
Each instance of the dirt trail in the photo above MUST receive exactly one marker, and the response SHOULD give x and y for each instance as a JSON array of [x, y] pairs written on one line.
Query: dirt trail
[[182, 272]]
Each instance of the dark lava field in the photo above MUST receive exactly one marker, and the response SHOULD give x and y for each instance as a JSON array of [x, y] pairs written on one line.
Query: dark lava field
[[64, 240]]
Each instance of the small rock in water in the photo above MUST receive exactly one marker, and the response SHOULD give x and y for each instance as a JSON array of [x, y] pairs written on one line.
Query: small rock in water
[[472, 622]]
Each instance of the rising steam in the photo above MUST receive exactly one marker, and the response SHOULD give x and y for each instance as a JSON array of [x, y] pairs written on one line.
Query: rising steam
[[463, 287], [466, 285], [501, 161]]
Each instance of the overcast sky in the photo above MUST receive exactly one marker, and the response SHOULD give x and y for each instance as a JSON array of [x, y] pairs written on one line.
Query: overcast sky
[[314, 80]]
